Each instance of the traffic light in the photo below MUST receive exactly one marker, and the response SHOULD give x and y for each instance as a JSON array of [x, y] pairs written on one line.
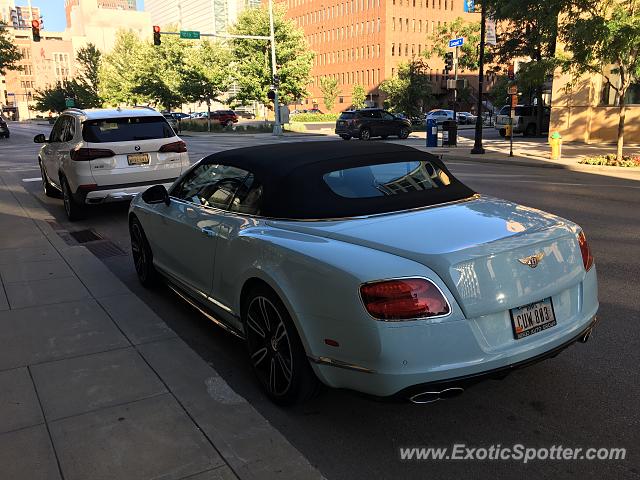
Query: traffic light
[[35, 29], [271, 94], [276, 80], [511, 72], [156, 35], [448, 62]]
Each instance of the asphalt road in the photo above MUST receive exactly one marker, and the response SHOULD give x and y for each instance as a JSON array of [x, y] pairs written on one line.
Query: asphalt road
[[588, 396]]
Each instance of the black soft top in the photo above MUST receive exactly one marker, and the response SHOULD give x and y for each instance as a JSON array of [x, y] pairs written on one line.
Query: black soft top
[[293, 186]]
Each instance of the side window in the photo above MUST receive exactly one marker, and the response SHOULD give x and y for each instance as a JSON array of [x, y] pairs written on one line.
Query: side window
[[248, 197], [376, 114], [56, 132], [388, 116], [210, 185], [68, 129]]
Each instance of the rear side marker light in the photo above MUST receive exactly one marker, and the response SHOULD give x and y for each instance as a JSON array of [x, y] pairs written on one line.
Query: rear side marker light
[[175, 147], [404, 299], [86, 154], [585, 250]]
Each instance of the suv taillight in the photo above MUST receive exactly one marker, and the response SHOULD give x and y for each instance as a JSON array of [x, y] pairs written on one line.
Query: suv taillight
[[404, 299], [585, 250], [175, 147], [86, 154]]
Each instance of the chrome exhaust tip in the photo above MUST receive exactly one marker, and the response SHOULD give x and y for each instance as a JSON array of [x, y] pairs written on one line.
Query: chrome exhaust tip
[[430, 397]]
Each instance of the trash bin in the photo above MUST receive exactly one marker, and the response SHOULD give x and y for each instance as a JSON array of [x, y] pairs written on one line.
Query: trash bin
[[432, 132], [451, 127], [556, 146]]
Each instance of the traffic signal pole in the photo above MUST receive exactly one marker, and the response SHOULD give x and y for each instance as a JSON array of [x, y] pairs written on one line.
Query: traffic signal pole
[[277, 126], [478, 149]]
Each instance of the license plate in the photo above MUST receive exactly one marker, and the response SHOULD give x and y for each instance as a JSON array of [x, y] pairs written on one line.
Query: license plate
[[532, 318], [138, 159]]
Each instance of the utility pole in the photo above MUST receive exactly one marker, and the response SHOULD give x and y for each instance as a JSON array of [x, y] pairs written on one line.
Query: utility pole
[[277, 127], [478, 149], [455, 90]]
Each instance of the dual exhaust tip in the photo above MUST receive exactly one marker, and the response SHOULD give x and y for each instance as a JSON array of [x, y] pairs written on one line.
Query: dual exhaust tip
[[433, 396]]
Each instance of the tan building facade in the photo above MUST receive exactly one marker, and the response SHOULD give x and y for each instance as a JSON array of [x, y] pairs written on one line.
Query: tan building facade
[[362, 42]]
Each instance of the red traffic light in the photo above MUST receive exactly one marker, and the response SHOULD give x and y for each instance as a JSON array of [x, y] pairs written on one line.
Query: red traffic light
[[35, 23], [156, 29]]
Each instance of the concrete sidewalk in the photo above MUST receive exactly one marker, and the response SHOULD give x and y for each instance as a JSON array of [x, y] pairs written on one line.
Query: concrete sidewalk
[[94, 385]]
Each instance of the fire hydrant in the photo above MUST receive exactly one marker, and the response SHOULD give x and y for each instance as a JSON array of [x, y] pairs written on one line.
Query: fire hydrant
[[556, 146], [508, 129]]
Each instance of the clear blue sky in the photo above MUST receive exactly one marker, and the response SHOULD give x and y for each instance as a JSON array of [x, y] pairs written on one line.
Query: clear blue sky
[[52, 12]]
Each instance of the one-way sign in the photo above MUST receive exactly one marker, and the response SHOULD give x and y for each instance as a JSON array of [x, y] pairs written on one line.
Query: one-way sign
[[456, 42]]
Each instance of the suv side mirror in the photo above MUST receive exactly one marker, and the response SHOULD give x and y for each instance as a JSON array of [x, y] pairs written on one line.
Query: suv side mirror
[[155, 195], [40, 138]]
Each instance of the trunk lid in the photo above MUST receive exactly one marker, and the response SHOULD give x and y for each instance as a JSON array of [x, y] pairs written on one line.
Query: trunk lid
[[476, 248]]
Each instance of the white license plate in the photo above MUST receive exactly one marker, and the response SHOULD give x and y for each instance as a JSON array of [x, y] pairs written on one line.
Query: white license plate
[[138, 159], [532, 318]]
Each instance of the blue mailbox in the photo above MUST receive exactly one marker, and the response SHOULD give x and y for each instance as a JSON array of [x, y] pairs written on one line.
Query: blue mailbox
[[432, 132]]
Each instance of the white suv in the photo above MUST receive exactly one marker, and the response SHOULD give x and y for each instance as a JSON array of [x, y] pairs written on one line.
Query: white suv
[[103, 155]]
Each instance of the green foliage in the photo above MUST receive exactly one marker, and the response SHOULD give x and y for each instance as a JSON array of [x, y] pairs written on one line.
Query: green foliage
[[205, 76], [468, 58], [87, 82], [118, 70], [253, 57], [611, 160], [410, 91], [52, 99], [330, 91], [201, 126], [315, 117], [9, 53], [358, 96], [499, 92]]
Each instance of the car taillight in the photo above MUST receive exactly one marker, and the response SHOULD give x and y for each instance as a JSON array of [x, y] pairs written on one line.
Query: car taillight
[[585, 250], [176, 147], [86, 154], [404, 299]]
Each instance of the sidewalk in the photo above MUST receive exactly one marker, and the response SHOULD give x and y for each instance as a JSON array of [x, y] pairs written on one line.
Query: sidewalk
[[94, 385]]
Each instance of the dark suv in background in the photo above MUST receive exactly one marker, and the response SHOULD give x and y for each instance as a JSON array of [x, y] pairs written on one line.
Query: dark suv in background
[[4, 128], [371, 122]]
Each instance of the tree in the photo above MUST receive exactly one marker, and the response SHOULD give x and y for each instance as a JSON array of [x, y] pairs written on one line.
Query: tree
[[52, 99], [603, 37], [330, 91], [410, 91], [468, 57], [87, 81], [358, 97], [532, 33], [206, 75], [9, 53], [118, 70], [253, 72]]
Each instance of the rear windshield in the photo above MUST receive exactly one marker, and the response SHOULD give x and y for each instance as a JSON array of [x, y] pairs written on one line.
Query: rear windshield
[[387, 179], [126, 129], [347, 115]]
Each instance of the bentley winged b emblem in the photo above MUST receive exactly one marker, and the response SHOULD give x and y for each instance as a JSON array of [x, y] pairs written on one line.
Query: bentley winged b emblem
[[533, 260]]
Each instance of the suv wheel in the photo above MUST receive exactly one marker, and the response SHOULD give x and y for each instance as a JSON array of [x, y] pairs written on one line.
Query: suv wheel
[[49, 190], [365, 134], [404, 133], [74, 210], [228, 123], [142, 255]]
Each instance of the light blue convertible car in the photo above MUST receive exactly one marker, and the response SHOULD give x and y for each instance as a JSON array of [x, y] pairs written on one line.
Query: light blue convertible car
[[365, 266]]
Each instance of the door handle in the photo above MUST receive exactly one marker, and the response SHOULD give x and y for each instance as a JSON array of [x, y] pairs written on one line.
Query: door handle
[[208, 231]]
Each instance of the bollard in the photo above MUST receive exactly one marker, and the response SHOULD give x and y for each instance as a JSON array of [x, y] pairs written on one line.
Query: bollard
[[556, 146]]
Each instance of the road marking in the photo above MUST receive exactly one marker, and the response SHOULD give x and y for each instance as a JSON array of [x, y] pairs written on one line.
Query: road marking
[[34, 179]]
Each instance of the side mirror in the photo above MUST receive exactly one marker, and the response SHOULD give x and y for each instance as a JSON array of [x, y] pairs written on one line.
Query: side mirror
[[155, 195], [40, 138]]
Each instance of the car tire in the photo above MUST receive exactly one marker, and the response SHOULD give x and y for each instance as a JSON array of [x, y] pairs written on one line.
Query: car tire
[[228, 123], [142, 255], [404, 133], [49, 190], [502, 132], [345, 137], [74, 210], [365, 134], [277, 356], [530, 131]]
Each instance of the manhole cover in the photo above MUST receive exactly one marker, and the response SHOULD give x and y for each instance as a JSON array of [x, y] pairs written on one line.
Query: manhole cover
[[84, 236], [104, 249]]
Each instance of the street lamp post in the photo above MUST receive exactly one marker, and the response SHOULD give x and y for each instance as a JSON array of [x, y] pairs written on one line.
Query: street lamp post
[[277, 127], [478, 149]]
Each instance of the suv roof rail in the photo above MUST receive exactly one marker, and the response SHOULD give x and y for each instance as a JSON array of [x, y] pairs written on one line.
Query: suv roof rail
[[147, 107], [74, 109]]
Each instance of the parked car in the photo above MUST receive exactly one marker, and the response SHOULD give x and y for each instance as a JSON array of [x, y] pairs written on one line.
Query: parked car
[[104, 155], [245, 114], [180, 115], [416, 121], [171, 120], [315, 111], [298, 111], [320, 264], [440, 116], [4, 128], [466, 118], [371, 122], [198, 115], [524, 121], [224, 117]]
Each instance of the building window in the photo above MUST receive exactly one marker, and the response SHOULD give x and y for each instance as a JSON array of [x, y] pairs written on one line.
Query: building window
[[340, 99], [378, 24], [378, 51], [393, 23], [399, 49], [400, 20]]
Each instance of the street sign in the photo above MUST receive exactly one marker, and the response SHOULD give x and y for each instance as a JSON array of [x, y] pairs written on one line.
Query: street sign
[[190, 34], [513, 89], [456, 42], [469, 6], [69, 102]]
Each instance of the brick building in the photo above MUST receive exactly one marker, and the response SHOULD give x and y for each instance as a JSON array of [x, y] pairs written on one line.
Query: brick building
[[364, 41]]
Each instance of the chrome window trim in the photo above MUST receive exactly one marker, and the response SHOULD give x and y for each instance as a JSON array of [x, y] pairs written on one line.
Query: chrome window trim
[[417, 319]]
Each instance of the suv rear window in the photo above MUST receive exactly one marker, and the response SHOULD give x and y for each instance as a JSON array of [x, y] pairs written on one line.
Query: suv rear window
[[126, 129], [347, 115], [388, 179]]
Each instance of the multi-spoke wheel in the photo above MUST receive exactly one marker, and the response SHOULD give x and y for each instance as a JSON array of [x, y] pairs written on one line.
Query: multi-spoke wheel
[[275, 351], [365, 134], [142, 255], [49, 190], [73, 209]]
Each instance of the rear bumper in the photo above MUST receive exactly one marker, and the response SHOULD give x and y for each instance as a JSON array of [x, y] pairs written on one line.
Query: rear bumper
[[117, 193]]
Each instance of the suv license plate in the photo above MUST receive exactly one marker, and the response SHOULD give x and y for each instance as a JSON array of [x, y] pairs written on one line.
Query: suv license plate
[[532, 318], [138, 159]]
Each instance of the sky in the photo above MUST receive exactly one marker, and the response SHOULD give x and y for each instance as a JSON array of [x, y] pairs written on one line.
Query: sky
[[52, 12]]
